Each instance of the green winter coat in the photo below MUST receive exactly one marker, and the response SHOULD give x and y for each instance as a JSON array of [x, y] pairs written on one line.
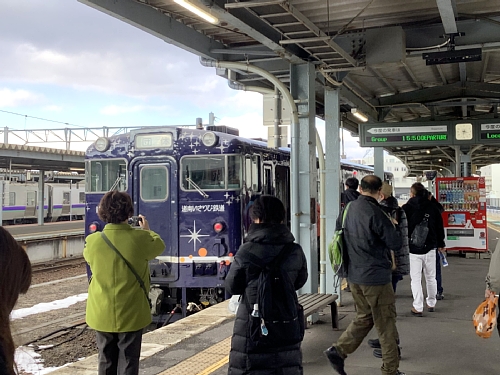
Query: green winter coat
[[116, 302]]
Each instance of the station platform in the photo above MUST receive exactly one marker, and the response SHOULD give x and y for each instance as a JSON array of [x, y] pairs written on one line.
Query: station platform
[[442, 342]]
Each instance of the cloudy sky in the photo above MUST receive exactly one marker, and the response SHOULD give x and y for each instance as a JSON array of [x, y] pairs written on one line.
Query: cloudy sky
[[63, 61]]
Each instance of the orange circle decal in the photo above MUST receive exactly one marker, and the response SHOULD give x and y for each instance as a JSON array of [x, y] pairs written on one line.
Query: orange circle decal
[[181, 260], [190, 256], [202, 252]]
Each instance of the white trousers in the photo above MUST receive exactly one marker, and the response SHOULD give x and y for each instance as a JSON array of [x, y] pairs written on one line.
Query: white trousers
[[427, 264]]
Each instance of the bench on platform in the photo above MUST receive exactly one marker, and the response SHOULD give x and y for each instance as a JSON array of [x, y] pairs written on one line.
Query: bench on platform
[[314, 302]]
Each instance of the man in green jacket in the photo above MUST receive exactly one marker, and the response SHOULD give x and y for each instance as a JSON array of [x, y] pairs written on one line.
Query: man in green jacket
[[118, 306]]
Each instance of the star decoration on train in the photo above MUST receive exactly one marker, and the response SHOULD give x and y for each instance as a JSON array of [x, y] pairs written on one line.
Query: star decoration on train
[[223, 145], [195, 151], [194, 235]]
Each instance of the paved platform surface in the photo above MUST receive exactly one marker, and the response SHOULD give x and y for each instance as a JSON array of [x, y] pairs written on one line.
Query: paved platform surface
[[440, 343]]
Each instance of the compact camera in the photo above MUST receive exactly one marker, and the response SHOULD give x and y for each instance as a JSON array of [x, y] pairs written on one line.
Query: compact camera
[[134, 221]]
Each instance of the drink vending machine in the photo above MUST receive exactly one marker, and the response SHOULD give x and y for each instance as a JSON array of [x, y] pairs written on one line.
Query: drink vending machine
[[464, 216]]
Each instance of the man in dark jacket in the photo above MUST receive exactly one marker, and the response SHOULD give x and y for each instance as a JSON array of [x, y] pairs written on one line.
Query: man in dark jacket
[[439, 278], [369, 236], [351, 191], [423, 258], [266, 238]]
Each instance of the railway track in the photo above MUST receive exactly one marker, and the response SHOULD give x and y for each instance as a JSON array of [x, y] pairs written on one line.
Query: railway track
[[57, 264]]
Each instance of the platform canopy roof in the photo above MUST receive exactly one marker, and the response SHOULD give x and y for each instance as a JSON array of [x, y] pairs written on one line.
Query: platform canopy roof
[[40, 158], [373, 50]]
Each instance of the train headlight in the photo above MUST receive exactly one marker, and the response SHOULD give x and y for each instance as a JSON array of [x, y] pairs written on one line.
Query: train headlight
[[209, 139], [101, 144]]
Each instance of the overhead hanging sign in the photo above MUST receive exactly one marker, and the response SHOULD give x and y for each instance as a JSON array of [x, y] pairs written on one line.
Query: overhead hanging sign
[[401, 134], [430, 133]]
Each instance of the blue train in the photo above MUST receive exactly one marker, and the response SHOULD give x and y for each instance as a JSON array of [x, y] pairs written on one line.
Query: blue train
[[195, 187]]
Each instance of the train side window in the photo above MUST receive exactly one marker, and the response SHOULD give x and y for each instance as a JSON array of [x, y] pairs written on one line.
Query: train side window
[[30, 198], [154, 183], [12, 199], [81, 197]]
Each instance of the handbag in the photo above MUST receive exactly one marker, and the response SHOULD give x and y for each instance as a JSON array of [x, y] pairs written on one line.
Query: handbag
[[139, 279], [485, 317]]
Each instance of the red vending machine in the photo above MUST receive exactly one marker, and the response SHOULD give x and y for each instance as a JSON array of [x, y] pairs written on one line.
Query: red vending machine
[[464, 216]]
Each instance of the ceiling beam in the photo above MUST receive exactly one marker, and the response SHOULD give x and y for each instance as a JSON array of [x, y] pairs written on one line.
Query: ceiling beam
[[448, 13], [439, 93], [158, 24]]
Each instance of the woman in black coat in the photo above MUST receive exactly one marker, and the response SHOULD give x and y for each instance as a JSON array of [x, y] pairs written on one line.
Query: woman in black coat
[[267, 236]]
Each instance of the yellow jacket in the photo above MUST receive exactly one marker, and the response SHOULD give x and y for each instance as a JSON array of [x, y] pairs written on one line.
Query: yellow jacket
[[116, 301]]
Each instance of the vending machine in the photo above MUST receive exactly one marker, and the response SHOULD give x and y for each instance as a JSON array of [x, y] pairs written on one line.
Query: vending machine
[[464, 216]]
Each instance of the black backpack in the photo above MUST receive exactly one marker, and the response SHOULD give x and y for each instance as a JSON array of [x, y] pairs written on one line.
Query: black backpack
[[280, 320]]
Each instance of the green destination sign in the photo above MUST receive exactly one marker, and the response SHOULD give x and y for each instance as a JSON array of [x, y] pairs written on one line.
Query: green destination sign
[[490, 133]]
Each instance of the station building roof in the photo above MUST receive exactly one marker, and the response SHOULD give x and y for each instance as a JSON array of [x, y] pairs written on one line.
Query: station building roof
[[377, 52]]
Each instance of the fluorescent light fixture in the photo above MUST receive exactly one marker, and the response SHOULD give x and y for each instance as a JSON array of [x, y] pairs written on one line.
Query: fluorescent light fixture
[[358, 114], [198, 11]]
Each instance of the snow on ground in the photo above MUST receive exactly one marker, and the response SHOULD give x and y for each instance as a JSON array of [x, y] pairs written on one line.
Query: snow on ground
[[29, 361], [48, 306]]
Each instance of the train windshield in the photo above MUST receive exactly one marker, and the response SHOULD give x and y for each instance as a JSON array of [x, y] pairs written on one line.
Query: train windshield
[[106, 175], [211, 172]]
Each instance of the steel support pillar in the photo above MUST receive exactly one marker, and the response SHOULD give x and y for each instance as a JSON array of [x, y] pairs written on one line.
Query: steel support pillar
[[458, 169], [332, 177], [41, 187], [302, 83], [378, 162]]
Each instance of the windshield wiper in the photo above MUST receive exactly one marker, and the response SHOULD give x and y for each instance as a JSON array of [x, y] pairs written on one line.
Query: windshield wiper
[[115, 184], [197, 188]]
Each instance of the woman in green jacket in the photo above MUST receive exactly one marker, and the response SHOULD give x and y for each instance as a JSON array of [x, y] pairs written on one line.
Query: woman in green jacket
[[117, 306]]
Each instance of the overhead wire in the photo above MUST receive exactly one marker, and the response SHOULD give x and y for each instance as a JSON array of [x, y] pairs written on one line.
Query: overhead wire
[[41, 118]]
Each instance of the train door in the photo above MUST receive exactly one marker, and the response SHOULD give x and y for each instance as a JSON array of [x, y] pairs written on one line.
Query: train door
[[155, 196], [31, 201], [268, 179], [282, 187], [66, 203]]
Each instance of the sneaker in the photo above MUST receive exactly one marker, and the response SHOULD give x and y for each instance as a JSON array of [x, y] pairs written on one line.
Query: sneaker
[[399, 373], [431, 309], [440, 296], [378, 352], [335, 360], [416, 313], [374, 343]]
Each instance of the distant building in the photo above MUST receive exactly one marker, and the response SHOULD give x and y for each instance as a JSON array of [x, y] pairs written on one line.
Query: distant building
[[491, 173]]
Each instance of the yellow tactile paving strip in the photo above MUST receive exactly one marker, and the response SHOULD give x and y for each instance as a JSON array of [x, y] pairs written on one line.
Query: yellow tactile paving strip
[[204, 362], [171, 335]]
